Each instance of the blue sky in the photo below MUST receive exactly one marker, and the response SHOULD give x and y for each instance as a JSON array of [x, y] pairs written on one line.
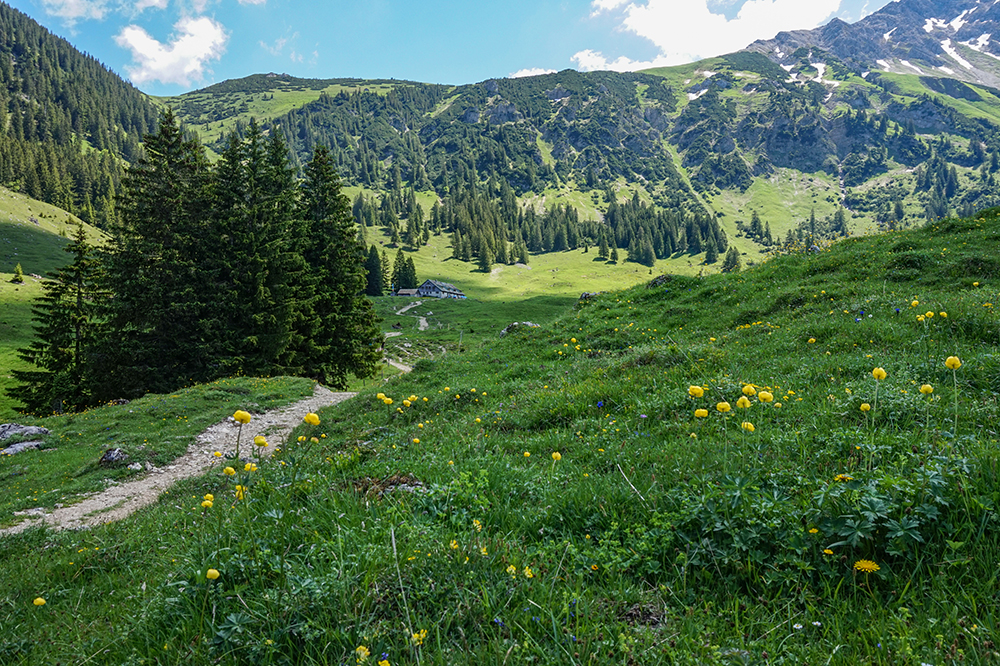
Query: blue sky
[[166, 47]]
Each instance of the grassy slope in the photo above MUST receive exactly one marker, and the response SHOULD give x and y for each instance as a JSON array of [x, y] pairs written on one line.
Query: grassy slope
[[33, 234], [658, 537]]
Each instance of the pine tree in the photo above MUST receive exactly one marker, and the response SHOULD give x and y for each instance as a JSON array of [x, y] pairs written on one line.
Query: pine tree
[[63, 320], [732, 263], [711, 251], [18, 275], [373, 268], [614, 255], [154, 334], [386, 273]]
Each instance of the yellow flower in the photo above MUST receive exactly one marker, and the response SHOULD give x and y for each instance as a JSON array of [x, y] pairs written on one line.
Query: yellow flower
[[746, 425], [814, 531], [827, 551], [843, 478], [556, 456], [696, 391], [929, 314], [749, 390], [512, 570], [210, 497], [241, 417], [527, 454], [953, 362], [406, 403], [478, 525], [259, 440], [380, 396], [212, 574], [866, 565], [312, 419], [362, 653], [229, 471], [217, 454], [207, 504], [879, 373], [384, 662], [777, 405], [812, 340], [477, 420], [239, 492], [418, 638], [943, 314], [453, 545], [765, 396], [914, 304], [413, 398], [975, 284], [482, 551], [386, 401], [573, 340], [447, 389], [700, 413], [921, 318], [723, 407], [416, 441], [743, 402], [39, 601], [594, 567], [927, 389], [528, 573], [250, 467], [865, 407]]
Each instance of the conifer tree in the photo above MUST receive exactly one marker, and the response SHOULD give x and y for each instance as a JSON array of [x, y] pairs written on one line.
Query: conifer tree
[[154, 331], [347, 338], [62, 320], [732, 262], [373, 269], [386, 273], [18, 275]]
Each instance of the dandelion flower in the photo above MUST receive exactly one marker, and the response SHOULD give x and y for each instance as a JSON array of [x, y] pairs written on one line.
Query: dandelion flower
[[953, 363], [212, 574], [723, 407], [866, 566], [865, 407], [927, 389], [843, 477], [311, 419], [229, 471], [827, 551], [416, 441], [241, 417], [556, 456], [39, 601], [696, 391], [879, 374], [700, 413], [743, 402]]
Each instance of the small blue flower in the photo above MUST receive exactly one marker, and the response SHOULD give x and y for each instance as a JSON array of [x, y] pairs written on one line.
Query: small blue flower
[[600, 403]]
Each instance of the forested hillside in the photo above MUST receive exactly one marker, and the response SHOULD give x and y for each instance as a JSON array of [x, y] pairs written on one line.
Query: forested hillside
[[66, 121]]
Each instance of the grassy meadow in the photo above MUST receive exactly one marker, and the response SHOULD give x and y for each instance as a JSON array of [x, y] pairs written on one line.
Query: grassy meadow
[[797, 464]]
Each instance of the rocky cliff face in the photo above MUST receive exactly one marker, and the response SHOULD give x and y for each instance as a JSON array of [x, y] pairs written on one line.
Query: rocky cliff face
[[953, 38]]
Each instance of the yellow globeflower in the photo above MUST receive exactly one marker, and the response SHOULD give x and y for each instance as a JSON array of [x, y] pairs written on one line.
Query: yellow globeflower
[[927, 389], [921, 318], [39, 601], [380, 396], [696, 391], [259, 440], [953, 362], [210, 497], [723, 407], [229, 471], [865, 407], [812, 341], [206, 504], [406, 403], [879, 373], [241, 417], [212, 574], [556, 456], [700, 413], [250, 467], [929, 314], [743, 402], [416, 441], [312, 419], [914, 304], [387, 401], [527, 454], [749, 390], [765, 396], [943, 314], [746, 425]]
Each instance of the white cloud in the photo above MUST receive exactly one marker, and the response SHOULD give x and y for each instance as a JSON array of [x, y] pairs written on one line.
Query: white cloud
[[142, 5], [530, 71], [196, 42], [252, 2], [73, 10], [606, 5], [279, 46], [686, 30]]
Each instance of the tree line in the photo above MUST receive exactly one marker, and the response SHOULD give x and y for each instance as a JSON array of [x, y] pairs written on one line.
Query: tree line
[[236, 268]]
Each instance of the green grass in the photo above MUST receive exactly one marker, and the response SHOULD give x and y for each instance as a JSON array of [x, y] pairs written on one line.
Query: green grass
[[154, 429], [33, 232], [657, 536], [15, 333]]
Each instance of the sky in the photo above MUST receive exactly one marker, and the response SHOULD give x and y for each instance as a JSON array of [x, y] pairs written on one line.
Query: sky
[[167, 47]]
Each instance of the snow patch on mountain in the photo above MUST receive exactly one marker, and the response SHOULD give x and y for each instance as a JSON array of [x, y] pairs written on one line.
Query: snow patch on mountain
[[957, 22], [907, 63], [979, 43], [950, 50], [932, 23], [887, 35]]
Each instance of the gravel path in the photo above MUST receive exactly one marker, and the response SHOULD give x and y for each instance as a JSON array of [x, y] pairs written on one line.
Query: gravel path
[[120, 501]]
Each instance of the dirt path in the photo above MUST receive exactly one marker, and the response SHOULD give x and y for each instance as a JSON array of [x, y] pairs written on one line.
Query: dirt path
[[410, 307], [120, 501]]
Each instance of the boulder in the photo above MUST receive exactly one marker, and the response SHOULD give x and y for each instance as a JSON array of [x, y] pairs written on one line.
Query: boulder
[[516, 325], [20, 447], [8, 430], [113, 458]]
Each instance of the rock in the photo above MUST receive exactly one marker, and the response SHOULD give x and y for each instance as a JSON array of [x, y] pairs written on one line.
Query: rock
[[510, 328], [136, 467], [20, 447], [587, 295], [8, 430], [113, 458]]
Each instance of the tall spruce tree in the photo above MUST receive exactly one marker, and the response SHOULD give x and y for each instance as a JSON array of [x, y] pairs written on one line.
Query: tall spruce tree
[[373, 268], [348, 338], [253, 197], [153, 336], [63, 319]]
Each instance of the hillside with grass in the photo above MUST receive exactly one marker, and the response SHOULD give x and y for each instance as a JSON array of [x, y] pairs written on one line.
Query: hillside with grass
[[793, 464]]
